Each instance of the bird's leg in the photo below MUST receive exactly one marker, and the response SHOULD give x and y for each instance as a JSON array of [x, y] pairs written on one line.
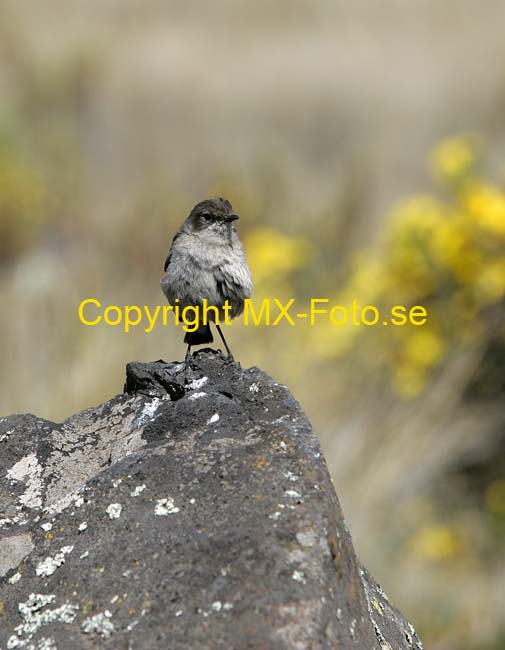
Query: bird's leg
[[188, 355], [230, 355]]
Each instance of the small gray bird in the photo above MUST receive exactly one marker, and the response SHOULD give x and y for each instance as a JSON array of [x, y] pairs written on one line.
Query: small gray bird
[[207, 260]]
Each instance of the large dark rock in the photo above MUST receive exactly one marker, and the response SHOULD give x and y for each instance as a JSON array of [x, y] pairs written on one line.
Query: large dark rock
[[193, 511]]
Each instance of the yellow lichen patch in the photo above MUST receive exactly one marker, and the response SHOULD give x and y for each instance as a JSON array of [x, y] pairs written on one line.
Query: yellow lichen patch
[[262, 463], [87, 607], [376, 605]]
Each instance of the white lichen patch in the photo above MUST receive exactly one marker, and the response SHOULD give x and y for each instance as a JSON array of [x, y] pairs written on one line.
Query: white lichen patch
[[137, 491], [61, 504], [5, 436], [114, 510], [149, 410], [131, 626], [165, 507], [290, 476], [15, 578], [28, 471], [46, 527], [48, 566], [292, 494], [84, 555], [306, 538], [299, 576], [197, 395], [99, 624], [35, 616], [216, 607], [254, 388], [213, 419], [117, 482], [275, 516], [46, 644], [196, 384], [83, 526], [6, 522]]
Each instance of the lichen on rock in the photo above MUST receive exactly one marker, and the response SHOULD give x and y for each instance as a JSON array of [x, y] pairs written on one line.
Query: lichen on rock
[[148, 522]]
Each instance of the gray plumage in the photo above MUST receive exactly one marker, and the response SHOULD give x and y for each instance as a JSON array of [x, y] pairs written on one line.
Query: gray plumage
[[207, 260]]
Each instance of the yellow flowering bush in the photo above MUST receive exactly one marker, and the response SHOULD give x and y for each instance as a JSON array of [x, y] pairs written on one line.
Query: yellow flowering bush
[[444, 252], [273, 256]]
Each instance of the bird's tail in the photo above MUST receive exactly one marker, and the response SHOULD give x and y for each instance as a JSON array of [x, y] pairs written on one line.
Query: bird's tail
[[199, 336]]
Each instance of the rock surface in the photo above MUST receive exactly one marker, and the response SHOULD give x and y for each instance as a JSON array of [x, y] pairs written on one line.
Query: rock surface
[[193, 511]]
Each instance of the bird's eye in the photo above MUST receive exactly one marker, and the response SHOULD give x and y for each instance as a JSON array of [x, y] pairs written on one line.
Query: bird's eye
[[207, 216]]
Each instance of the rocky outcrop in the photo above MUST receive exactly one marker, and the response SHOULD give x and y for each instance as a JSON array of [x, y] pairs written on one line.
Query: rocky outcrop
[[194, 510]]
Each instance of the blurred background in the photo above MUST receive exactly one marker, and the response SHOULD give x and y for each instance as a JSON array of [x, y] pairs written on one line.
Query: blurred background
[[363, 145]]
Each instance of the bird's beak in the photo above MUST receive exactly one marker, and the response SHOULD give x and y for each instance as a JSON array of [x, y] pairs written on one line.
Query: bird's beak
[[230, 217]]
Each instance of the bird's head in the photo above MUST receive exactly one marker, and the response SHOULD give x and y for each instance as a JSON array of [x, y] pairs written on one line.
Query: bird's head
[[212, 218]]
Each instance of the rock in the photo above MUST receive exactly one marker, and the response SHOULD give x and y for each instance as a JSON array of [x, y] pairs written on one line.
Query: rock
[[193, 511]]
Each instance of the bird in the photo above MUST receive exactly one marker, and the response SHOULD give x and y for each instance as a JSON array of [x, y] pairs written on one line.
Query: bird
[[207, 260]]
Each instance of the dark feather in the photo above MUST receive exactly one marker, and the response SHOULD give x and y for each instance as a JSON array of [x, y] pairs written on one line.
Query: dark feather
[[199, 336]]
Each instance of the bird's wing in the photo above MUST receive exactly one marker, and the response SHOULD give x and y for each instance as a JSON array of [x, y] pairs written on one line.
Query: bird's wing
[[169, 256], [229, 285]]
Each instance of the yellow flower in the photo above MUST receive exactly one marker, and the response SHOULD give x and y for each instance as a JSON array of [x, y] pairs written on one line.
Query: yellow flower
[[424, 348], [272, 255], [415, 217], [490, 283], [455, 158], [448, 242], [486, 204], [436, 543]]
